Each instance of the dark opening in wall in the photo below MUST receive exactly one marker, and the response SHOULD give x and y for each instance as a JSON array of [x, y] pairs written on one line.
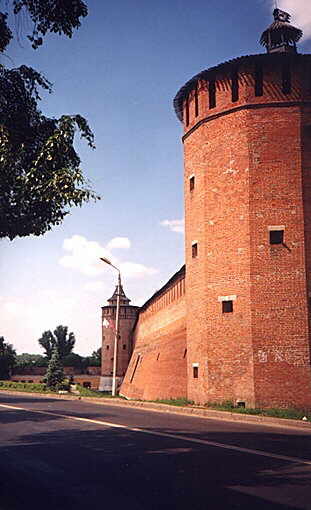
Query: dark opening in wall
[[227, 306], [196, 102], [158, 356], [86, 384], [195, 372], [187, 112], [124, 347], [185, 353], [234, 85], [194, 250], [212, 93], [286, 78], [258, 78], [191, 183], [107, 347], [276, 236]]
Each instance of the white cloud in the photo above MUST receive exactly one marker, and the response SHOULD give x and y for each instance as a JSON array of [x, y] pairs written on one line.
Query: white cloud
[[133, 270], [119, 242], [174, 225], [84, 257], [300, 11]]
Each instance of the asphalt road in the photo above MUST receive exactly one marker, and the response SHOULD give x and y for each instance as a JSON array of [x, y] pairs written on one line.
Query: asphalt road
[[57, 454]]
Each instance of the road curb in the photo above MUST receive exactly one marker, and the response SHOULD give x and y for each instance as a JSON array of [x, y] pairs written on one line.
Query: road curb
[[166, 408]]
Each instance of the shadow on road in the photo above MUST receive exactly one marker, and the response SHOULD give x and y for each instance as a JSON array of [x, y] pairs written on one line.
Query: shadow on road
[[82, 466]]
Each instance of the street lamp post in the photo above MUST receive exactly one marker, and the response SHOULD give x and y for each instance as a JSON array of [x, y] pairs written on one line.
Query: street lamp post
[[116, 337]]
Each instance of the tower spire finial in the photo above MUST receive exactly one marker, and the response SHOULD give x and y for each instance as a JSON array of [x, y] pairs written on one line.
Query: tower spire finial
[[281, 36]]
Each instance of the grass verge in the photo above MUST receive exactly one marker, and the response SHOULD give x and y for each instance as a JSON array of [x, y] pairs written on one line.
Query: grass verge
[[180, 402], [28, 387], [289, 413], [86, 392], [41, 388]]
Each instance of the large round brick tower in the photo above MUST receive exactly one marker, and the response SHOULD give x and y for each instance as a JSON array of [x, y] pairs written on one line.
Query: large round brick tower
[[247, 146], [127, 318]]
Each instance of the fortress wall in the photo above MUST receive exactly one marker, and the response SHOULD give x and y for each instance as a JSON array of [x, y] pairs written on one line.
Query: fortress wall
[[157, 369]]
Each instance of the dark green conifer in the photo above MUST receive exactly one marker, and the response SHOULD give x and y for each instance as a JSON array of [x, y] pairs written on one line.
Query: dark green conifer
[[55, 372]]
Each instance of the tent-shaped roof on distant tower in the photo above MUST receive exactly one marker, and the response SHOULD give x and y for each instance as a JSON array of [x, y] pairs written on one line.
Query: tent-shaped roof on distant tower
[[123, 299]]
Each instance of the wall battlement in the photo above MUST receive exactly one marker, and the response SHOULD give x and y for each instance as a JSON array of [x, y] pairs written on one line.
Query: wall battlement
[[248, 81]]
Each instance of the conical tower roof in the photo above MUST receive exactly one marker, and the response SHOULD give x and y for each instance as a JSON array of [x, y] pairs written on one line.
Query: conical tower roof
[[281, 36], [123, 299]]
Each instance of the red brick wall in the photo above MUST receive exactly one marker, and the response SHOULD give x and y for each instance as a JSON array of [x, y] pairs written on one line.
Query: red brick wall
[[78, 379], [251, 169], [217, 218], [157, 368], [67, 371]]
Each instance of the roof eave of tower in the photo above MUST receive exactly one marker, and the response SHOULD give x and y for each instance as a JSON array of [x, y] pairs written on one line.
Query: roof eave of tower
[[207, 74]]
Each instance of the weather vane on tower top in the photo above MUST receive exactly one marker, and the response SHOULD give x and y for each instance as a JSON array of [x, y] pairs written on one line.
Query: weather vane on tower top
[[281, 36]]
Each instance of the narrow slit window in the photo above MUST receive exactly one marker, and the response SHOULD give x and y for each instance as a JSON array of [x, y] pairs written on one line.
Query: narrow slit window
[[195, 372], [276, 236], [107, 347], [191, 183], [124, 347], [212, 93], [185, 353], [227, 306], [158, 356], [234, 85], [286, 79], [187, 112], [194, 250], [196, 102], [258, 80]]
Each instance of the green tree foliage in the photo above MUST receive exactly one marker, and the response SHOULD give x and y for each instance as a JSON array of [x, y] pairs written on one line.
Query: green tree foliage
[[60, 339], [73, 360], [95, 359], [55, 372], [40, 174], [26, 360], [7, 359]]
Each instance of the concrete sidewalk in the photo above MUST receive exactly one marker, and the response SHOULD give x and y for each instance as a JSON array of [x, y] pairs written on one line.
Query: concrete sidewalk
[[194, 411]]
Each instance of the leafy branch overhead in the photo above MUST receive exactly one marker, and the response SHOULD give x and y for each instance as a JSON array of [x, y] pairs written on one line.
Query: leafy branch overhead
[[40, 174], [58, 16]]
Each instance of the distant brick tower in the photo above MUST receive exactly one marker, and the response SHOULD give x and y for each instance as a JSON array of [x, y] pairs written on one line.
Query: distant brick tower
[[247, 145], [127, 318]]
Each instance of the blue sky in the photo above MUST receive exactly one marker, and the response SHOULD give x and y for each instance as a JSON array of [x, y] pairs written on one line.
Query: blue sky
[[121, 70]]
